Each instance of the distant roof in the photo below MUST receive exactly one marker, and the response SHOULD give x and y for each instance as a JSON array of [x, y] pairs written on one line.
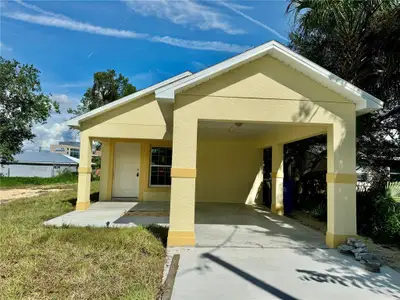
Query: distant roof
[[43, 157], [75, 144], [71, 158]]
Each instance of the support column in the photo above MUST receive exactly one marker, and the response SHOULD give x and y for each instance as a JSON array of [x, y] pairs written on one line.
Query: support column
[[85, 172], [183, 185], [277, 179], [104, 170], [341, 183]]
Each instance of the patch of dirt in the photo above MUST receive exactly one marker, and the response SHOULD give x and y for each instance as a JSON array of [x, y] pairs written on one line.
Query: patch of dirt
[[13, 194], [389, 254]]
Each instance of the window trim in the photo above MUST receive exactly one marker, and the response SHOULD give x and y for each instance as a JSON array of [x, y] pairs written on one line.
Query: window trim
[[151, 165]]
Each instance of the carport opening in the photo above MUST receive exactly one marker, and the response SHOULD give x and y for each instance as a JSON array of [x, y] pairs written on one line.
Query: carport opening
[[305, 170]]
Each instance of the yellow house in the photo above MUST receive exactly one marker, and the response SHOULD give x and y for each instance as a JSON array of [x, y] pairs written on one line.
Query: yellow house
[[200, 137]]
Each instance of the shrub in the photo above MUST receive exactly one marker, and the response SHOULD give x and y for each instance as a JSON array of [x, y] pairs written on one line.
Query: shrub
[[378, 214], [393, 188]]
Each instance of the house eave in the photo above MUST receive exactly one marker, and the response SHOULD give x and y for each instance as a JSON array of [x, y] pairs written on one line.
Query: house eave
[[75, 122], [364, 101]]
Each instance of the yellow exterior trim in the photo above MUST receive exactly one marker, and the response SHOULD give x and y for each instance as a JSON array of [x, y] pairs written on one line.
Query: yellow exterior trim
[[278, 210], [341, 178], [84, 170], [276, 175], [334, 240], [144, 180], [183, 173], [181, 238], [145, 148], [110, 169], [82, 206]]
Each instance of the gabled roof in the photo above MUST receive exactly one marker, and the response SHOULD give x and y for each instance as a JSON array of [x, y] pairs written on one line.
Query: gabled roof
[[43, 157], [364, 102], [147, 91]]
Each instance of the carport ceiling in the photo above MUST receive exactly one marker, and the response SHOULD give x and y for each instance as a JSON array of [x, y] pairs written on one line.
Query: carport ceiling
[[228, 130]]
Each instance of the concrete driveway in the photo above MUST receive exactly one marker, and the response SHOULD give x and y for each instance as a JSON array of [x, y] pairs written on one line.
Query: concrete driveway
[[242, 253]]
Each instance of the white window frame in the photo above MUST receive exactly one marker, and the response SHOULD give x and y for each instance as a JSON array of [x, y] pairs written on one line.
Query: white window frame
[[151, 165]]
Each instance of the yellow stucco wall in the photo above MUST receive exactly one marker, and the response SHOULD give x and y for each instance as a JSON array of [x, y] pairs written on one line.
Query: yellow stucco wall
[[146, 192], [267, 91], [226, 170], [140, 119], [265, 78]]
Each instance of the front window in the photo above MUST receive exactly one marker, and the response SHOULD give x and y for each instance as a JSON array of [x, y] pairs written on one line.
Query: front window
[[160, 166], [74, 153]]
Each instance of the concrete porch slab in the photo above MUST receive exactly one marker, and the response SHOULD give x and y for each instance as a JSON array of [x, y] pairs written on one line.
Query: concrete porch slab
[[101, 212], [278, 273]]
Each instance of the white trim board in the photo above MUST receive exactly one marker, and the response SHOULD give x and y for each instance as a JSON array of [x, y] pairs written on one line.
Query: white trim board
[[142, 93], [364, 101]]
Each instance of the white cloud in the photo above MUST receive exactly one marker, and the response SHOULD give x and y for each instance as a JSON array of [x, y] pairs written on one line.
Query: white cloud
[[73, 25], [200, 45], [55, 129], [40, 10], [184, 12], [4, 47], [62, 98], [143, 80], [65, 102], [48, 134], [89, 28], [236, 9]]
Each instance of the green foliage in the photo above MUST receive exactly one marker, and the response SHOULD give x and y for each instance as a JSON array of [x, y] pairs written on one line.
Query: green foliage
[[378, 214], [65, 177], [358, 41], [393, 190], [22, 104], [107, 87]]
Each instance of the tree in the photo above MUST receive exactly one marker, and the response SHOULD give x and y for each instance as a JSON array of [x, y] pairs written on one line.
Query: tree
[[22, 104], [360, 42], [107, 87]]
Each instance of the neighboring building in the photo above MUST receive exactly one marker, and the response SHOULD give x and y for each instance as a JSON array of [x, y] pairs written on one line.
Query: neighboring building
[[70, 149], [38, 164], [200, 138]]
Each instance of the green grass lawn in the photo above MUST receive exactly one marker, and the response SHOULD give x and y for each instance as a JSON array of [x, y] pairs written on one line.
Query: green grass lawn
[[17, 182], [38, 262]]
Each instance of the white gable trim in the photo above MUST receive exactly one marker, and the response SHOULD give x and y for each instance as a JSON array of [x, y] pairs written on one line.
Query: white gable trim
[[364, 102], [147, 91]]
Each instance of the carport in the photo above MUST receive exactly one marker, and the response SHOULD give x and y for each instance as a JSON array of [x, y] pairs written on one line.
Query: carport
[[247, 252]]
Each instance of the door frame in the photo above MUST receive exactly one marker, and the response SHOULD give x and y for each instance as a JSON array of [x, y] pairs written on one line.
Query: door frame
[[114, 168]]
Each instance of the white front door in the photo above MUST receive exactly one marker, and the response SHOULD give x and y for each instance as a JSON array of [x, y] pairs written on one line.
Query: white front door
[[126, 170]]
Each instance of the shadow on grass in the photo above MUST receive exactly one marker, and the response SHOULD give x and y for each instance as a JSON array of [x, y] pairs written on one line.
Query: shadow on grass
[[94, 197], [160, 232]]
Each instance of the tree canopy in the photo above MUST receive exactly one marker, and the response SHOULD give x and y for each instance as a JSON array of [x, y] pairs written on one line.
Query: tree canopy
[[107, 87], [22, 104], [360, 42]]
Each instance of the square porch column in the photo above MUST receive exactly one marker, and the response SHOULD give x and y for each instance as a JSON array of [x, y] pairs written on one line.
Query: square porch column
[[341, 183], [85, 172], [277, 179], [105, 171], [183, 182]]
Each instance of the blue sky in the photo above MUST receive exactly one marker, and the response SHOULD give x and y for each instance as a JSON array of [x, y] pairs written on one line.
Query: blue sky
[[145, 40]]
